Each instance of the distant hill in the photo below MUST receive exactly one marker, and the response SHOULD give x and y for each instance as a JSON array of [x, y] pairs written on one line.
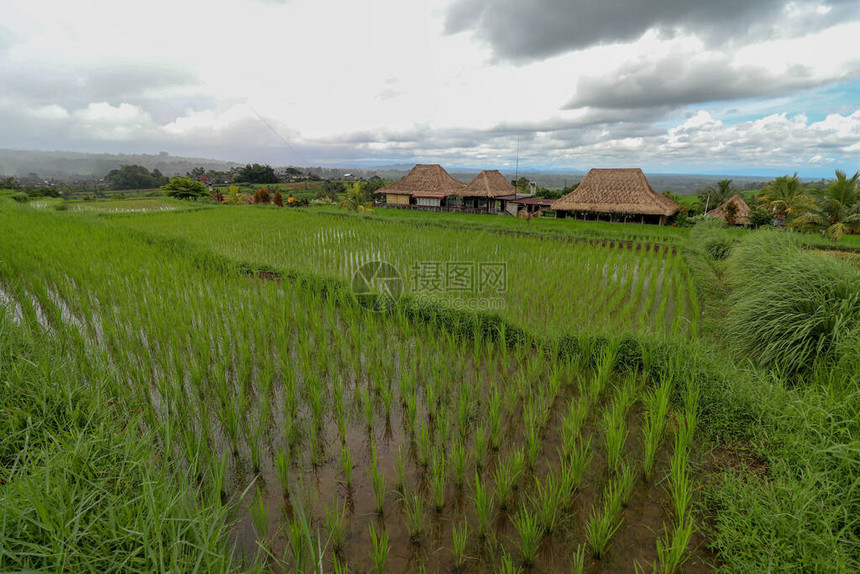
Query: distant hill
[[68, 165]]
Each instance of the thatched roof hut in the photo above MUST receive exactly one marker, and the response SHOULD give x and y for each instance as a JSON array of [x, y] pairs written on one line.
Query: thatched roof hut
[[425, 179], [617, 191], [490, 183], [742, 213]]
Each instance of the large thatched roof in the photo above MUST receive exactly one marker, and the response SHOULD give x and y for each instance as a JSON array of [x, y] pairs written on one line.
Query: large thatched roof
[[425, 178], [488, 183], [742, 217], [616, 191]]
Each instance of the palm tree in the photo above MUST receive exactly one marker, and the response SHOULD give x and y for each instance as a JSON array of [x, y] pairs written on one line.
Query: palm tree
[[784, 195], [835, 211], [356, 200], [715, 195]]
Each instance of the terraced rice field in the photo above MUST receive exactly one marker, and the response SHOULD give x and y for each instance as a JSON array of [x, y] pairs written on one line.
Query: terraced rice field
[[327, 435]]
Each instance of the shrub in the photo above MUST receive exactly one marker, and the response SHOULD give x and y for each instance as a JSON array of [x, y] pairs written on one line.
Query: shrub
[[21, 197], [262, 196], [184, 188], [713, 236], [791, 308]]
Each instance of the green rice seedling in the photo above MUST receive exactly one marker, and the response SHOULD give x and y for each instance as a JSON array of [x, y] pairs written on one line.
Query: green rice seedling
[[443, 428], [413, 510], [218, 475], [259, 515], [533, 443], [458, 462], [377, 480], [577, 561], [282, 469], [387, 396], [296, 540], [346, 465], [615, 436], [575, 465], [573, 423], [548, 499], [315, 446], [424, 448], [656, 410], [411, 404], [495, 419], [517, 461], [530, 532], [400, 464], [368, 409], [680, 483], [625, 396], [508, 566], [437, 481], [600, 529], [483, 507], [460, 536], [672, 548], [380, 549], [613, 496], [335, 516], [464, 410], [255, 445], [480, 447], [626, 483], [506, 475]]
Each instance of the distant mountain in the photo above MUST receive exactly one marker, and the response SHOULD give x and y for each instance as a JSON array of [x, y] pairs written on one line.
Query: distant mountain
[[68, 165]]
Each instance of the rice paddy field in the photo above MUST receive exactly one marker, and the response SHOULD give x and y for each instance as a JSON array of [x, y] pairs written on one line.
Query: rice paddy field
[[555, 286], [200, 390]]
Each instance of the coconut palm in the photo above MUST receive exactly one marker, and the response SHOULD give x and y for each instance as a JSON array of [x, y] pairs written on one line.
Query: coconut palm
[[714, 195], [784, 195], [356, 200], [836, 210]]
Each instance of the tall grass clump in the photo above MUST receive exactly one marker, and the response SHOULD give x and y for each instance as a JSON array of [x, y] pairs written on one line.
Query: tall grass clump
[[714, 237], [790, 308]]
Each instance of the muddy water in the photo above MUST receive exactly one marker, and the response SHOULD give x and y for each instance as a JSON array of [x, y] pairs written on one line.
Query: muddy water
[[634, 543]]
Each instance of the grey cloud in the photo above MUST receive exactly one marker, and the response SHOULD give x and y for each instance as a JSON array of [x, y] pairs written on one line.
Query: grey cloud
[[679, 80], [77, 87], [524, 30]]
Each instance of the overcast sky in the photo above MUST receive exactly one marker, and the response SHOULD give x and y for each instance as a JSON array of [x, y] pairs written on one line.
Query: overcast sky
[[688, 86]]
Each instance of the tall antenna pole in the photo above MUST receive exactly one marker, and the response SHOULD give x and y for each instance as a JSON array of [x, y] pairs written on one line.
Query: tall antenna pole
[[517, 172]]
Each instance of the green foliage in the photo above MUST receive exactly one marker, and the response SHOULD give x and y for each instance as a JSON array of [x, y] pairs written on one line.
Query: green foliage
[[785, 196], [714, 196], [21, 197], [835, 210], [134, 177], [714, 238], [184, 188], [81, 489], [256, 173], [790, 308], [760, 217]]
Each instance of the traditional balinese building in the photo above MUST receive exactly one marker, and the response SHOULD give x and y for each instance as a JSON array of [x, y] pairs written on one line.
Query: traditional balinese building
[[741, 211], [616, 195], [484, 192], [425, 186]]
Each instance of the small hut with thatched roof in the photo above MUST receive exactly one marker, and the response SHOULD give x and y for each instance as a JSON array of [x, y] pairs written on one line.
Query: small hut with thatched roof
[[482, 192], [619, 194], [426, 185], [733, 211]]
